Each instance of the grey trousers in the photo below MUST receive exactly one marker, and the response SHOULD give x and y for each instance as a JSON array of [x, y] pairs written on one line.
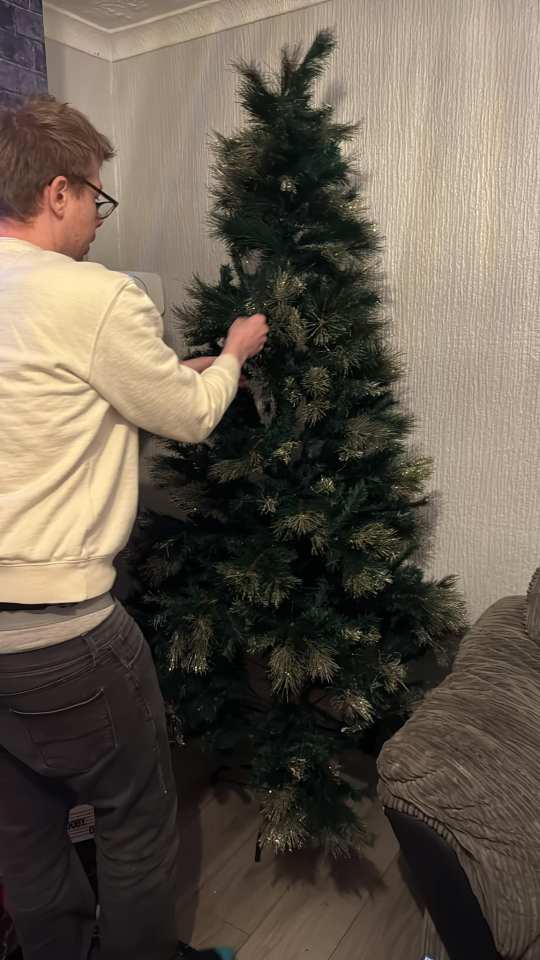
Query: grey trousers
[[83, 721]]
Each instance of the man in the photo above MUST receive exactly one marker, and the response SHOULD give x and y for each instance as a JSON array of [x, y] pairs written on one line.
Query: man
[[83, 366]]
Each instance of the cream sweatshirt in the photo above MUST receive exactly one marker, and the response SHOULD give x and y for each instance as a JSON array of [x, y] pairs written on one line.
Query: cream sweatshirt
[[82, 366]]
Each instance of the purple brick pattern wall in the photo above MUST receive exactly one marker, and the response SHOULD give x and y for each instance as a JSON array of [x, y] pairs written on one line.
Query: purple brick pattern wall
[[23, 69]]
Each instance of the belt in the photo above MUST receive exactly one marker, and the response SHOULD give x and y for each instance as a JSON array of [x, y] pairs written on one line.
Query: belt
[[33, 606]]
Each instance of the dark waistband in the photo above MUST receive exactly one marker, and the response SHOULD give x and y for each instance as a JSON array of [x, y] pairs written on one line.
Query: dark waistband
[[14, 616], [34, 606]]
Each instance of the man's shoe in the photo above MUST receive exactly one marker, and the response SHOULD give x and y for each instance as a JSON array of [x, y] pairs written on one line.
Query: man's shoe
[[185, 952]]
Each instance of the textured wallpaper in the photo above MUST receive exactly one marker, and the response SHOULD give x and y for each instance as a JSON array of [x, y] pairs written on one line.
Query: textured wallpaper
[[448, 93], [86, 82]]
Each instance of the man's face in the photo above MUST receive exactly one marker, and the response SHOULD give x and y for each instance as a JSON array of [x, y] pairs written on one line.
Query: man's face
[[81, 220]]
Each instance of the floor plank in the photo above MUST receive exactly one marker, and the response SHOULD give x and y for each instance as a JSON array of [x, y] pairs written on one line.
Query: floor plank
[[244, 892], [206, 928], [289, 907], [312, 914], [389, 926], [209, 839]]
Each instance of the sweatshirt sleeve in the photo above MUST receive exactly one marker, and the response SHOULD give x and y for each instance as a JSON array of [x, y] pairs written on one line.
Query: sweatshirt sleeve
[[141, 377]]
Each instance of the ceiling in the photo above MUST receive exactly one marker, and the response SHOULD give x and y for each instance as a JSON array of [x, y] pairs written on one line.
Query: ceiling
[[115, 14]]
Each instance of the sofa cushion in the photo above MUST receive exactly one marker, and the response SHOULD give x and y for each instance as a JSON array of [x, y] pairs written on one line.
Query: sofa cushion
[[533, 608], [468, 764]]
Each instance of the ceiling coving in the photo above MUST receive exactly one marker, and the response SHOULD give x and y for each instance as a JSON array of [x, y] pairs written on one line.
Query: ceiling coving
[[119, 29], [116, 14]]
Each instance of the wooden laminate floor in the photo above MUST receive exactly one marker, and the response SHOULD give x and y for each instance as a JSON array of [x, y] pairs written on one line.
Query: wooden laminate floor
[[289, 907]]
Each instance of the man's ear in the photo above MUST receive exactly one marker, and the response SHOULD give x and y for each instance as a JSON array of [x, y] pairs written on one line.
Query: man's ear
[[56, 194]]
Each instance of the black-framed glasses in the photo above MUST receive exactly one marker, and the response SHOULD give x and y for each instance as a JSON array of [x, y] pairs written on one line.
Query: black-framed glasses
[[105, 205]]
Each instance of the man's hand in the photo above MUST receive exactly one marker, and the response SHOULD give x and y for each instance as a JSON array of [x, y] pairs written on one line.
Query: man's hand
[[247, 337]]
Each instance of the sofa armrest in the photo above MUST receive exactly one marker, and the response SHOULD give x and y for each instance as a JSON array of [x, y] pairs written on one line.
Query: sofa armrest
[[445, 889]]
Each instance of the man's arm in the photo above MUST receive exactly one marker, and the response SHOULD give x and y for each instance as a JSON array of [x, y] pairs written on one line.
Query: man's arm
[[144, 380], [199, 364]]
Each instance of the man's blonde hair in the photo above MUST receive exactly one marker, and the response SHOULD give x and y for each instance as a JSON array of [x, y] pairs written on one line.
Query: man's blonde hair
[[41, 140]]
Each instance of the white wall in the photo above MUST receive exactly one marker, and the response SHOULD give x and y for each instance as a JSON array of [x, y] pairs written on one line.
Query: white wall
[[86, 82], [448, 93]]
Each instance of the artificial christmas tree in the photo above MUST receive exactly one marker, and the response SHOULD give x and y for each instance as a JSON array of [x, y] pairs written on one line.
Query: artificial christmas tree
[[283, 599]]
